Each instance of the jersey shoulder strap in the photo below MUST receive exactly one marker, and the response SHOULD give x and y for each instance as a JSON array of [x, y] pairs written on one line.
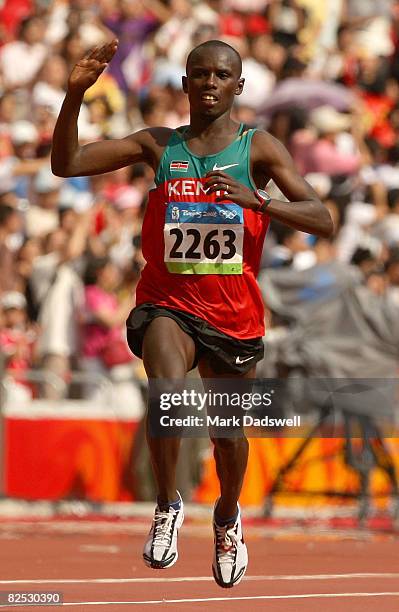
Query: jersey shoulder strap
[[173, 152]]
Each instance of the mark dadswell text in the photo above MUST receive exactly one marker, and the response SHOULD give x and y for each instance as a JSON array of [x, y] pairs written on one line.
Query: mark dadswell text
[[245, 420]]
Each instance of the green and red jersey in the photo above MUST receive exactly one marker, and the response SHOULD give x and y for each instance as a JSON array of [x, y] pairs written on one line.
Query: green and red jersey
[[203, 256]]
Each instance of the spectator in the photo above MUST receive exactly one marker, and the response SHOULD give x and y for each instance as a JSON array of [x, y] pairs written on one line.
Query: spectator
[[392, 271], [72, 48], [8, 110], [387, 230], [20, 60], [287, 19], [132, 24], [17, 169], [102, 320], [42, 217], [291, 248], [49, 89], [58, 293], [323, 154], [259, 79], [10, 224], [371, 18], [26, 257], [17, 337]]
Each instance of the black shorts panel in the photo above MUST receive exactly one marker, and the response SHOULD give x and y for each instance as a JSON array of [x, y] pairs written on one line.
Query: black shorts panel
[[225, 354]]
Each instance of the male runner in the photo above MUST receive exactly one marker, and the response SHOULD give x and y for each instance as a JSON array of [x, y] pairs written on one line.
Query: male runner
[[197, 301]]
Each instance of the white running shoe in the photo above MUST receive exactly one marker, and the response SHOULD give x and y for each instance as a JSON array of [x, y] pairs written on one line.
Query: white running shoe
[[160, 549], [231, 557]]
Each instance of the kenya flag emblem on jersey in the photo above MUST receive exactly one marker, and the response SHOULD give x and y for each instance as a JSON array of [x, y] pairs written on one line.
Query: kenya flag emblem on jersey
[[181, 166]]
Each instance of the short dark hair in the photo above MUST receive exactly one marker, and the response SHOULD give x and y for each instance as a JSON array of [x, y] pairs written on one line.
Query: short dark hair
[[281, 232], [147, 105], [393, 198], [25, 23], [6, 212], [93, 266], [393, 257], [360, 255], [209, 44], [393, 154]]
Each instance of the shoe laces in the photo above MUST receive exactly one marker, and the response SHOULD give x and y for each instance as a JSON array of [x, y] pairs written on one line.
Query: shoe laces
[[226, 542], [163, 521]]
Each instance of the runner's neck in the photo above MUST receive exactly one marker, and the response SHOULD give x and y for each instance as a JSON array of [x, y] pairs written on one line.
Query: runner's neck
[[210, 139], [205, 128]]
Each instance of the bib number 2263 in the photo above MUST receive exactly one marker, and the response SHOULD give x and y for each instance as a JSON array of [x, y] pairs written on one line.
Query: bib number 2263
[[203, 239], [211, 247]]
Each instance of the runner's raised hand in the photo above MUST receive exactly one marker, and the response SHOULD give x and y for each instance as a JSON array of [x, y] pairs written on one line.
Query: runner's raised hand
[[88, 69]]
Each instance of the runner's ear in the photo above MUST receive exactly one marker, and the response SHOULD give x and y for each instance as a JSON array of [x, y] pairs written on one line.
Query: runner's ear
[[184, 84], [239, 87]]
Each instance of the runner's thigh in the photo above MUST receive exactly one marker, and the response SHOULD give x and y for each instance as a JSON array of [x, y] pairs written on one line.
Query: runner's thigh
[[168, 352]]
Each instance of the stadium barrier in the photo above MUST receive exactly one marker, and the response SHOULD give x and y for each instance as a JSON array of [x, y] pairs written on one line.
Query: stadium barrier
[[85, 449]]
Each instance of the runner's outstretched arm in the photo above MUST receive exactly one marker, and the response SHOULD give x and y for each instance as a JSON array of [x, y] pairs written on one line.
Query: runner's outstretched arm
[[271, 160], [68, 158]]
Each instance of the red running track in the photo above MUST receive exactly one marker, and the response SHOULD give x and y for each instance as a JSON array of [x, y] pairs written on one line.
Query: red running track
[[97, 565]]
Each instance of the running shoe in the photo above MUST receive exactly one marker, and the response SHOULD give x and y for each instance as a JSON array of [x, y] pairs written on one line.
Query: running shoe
[[231, 557], [160, 549]]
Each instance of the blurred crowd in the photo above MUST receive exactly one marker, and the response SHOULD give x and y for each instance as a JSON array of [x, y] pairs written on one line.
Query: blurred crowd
[[320, 75]]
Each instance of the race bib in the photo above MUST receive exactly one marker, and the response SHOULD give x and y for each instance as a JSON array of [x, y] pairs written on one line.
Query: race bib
[[203, 238]]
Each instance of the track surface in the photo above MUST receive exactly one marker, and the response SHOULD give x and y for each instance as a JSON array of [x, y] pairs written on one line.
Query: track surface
[[97, 565]]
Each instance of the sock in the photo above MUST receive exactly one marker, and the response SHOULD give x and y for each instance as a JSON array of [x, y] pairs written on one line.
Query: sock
[[165, 506], [223, 522]]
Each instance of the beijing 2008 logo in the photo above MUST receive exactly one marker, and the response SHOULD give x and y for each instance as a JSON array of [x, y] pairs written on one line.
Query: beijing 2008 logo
[[175, 213]]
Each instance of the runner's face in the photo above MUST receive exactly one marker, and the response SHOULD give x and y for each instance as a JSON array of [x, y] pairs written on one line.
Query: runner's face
[[212, 81]]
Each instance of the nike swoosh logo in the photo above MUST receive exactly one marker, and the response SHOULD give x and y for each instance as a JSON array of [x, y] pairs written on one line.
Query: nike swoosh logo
[[239, 360], [216, 167]]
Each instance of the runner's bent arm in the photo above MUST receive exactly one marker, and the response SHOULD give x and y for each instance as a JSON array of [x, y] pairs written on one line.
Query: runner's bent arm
[[68, 158], [270, 160], [304, 211]]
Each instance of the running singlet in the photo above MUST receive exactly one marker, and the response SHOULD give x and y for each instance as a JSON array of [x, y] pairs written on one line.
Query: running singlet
[[203, 256]]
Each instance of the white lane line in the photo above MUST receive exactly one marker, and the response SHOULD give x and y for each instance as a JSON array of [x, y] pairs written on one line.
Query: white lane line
[[198, 531], [205, 578], [89, 548], [210, 599]]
